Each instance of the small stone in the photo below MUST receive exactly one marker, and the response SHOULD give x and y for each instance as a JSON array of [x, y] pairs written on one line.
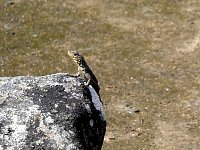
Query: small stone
[[137, 111], [167, 89], [35, 35]]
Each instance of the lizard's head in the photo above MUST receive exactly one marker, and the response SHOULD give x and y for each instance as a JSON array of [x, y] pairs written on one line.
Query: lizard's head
[[76, 57]]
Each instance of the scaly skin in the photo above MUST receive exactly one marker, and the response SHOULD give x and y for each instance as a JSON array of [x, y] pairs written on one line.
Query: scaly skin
[[84, 70]]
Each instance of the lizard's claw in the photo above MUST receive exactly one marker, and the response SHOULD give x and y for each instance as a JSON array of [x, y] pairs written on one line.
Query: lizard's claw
[[77, 74]]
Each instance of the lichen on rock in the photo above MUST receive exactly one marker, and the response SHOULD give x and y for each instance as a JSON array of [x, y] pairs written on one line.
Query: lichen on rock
[[48, 112]]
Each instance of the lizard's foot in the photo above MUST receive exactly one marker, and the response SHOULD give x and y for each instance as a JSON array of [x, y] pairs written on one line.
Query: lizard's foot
[[77, 74], [74, 75], [87, 83]]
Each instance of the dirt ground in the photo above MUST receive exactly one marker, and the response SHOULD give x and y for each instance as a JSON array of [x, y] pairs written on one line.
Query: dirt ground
[[144, 53]]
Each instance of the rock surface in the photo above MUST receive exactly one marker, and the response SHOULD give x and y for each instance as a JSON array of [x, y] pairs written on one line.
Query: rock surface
[[49, 112]]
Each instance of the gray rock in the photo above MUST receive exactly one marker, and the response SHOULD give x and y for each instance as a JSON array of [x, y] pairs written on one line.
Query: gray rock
[[49, 112]]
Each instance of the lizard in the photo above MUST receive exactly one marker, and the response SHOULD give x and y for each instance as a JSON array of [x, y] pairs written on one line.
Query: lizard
[[84, 70]]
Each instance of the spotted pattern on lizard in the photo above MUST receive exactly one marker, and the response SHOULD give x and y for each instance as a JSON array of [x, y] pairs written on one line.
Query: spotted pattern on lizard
[[84, 70]]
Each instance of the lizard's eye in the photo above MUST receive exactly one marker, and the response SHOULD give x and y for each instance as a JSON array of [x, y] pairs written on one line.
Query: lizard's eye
[[76, 54]]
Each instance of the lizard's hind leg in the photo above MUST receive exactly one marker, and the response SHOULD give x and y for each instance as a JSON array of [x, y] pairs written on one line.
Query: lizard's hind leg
[[88, 82]]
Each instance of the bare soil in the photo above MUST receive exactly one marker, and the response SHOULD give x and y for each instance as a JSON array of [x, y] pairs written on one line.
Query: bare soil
[[144, 53]]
